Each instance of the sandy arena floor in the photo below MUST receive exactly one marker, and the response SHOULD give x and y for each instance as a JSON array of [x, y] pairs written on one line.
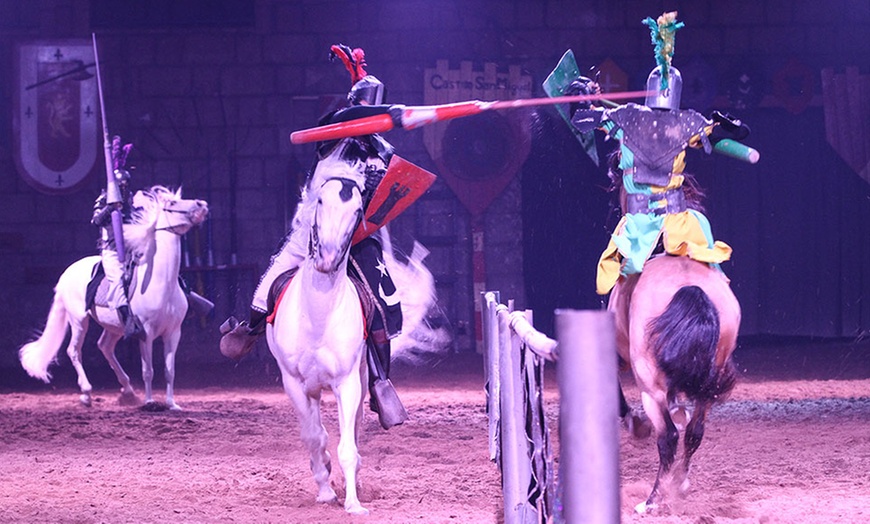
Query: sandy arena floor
[[792, 445]]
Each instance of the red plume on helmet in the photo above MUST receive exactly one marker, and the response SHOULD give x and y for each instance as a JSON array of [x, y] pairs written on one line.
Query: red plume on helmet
[[354, 60]]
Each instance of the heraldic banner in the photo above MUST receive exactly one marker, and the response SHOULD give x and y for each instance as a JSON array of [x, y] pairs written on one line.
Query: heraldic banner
[[55, 116]]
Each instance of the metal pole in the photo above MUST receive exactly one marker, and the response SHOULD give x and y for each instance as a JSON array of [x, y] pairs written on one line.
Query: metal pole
[[113, 193], [588, 423]]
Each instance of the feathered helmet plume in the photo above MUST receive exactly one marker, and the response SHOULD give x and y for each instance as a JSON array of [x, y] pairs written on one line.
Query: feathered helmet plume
[[366, 89], [354, 60], [119, 160], [662, 32], [120, 153]]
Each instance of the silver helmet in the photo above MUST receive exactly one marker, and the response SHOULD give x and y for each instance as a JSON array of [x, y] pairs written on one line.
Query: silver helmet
[[368, 90], [668, 98], [122, 176]]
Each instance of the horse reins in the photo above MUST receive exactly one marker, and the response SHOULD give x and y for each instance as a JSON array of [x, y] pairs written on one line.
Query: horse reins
[[314, 238], [172, 228]]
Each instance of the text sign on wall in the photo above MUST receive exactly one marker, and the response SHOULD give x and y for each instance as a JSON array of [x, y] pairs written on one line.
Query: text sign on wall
[[477, 156]]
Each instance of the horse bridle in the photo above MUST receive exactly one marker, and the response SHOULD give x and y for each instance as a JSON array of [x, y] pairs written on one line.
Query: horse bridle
[[173, 228], [313, 238]]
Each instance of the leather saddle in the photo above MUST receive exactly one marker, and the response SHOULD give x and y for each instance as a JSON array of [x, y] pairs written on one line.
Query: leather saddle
[[366, 300]]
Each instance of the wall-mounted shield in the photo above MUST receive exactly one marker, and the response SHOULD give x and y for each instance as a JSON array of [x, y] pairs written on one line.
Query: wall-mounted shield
[[56, 115], [477, 156]]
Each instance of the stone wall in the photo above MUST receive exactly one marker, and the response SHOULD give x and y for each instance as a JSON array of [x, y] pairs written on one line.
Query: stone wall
[[210, 101]]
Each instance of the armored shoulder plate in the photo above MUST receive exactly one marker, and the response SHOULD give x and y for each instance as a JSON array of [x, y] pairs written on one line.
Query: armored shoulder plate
[[656, 137]]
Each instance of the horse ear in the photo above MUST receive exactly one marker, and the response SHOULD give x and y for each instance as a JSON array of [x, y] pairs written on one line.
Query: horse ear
[[178, 193]]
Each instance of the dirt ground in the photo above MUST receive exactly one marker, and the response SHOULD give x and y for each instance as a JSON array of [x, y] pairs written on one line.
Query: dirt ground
[[791, 445]]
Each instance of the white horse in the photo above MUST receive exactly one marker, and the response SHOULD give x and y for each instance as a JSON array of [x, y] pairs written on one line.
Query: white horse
[[318, 334], [156, 298]]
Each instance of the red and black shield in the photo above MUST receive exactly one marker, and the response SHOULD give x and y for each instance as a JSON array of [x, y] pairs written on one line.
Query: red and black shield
[[402, 185]]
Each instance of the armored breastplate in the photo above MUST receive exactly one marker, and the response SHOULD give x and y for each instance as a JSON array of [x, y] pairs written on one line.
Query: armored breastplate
[[656, 137]]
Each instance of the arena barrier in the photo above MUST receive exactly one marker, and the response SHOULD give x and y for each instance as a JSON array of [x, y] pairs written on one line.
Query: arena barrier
[[515, 352]]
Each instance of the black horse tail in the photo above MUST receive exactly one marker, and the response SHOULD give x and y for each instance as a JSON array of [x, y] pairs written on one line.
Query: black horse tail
[[684, 339]]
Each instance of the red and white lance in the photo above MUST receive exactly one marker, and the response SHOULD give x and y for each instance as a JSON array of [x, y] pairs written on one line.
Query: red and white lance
[[113, 192], [412, 117]]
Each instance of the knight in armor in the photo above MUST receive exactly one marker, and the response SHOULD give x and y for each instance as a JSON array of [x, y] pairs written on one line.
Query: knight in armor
[[653, 139], [116, 270], [366, 262]]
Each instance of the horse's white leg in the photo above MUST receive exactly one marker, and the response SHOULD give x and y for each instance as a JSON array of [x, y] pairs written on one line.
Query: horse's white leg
[[348, 396], [107, 342], [78, 328], [170, 346], [314, 436], [146, 349]]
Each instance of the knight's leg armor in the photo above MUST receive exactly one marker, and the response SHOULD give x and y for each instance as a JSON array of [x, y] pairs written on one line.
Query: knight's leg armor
[[117, 294], [367, 263]]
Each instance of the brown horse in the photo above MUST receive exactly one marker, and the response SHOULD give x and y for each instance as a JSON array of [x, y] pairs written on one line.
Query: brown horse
[[676, 325]]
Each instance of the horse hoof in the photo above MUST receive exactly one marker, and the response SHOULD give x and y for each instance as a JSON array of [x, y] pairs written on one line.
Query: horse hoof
[[327, 496], [128, 398], [85, 400], [356, 509], [644, 508]]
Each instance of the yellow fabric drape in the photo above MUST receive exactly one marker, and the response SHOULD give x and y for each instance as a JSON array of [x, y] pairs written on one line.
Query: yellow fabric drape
[[681, 234]]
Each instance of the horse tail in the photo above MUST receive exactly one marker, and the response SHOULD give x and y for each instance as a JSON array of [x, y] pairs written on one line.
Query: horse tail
[[684, 339], [37, 355]]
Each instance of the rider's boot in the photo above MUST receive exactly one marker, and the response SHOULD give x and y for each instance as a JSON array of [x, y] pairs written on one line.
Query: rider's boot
[[132, 326], [239, 337], [383, 397], [198, 304]]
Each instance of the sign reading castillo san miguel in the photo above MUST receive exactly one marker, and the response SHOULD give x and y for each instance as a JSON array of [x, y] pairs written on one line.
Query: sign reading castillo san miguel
[[477, 156], [55, 118]]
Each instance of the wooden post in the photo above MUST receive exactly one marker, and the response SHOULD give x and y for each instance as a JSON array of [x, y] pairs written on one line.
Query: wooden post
[[491, 366], [516, 465]]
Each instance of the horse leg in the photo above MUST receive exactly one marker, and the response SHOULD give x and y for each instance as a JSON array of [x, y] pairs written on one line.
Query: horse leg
[[667, 437], [348, 396], [146, 350], [314, 436], [170, 346], [636, 424], [74, 351], [691, 442], [107, 343]]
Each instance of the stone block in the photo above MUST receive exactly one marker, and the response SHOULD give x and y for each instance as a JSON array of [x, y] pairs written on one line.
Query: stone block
[[242, 80], [165, 81], [290, 49]]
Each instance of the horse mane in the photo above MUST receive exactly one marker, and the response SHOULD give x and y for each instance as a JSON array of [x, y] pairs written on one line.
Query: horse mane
[[147, 204], [695, 194]]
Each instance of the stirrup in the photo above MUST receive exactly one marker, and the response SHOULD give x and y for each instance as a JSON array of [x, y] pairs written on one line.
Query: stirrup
[[199, 305], [238, 340], [133, 327], [390, 410]]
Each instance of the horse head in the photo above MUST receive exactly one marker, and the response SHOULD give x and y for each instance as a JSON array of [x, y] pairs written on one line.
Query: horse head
[[338, 211], [167, 211]]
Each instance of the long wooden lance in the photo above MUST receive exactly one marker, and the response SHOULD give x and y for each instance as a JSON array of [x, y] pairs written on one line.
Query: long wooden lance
[[412, 117], [113, 192]]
